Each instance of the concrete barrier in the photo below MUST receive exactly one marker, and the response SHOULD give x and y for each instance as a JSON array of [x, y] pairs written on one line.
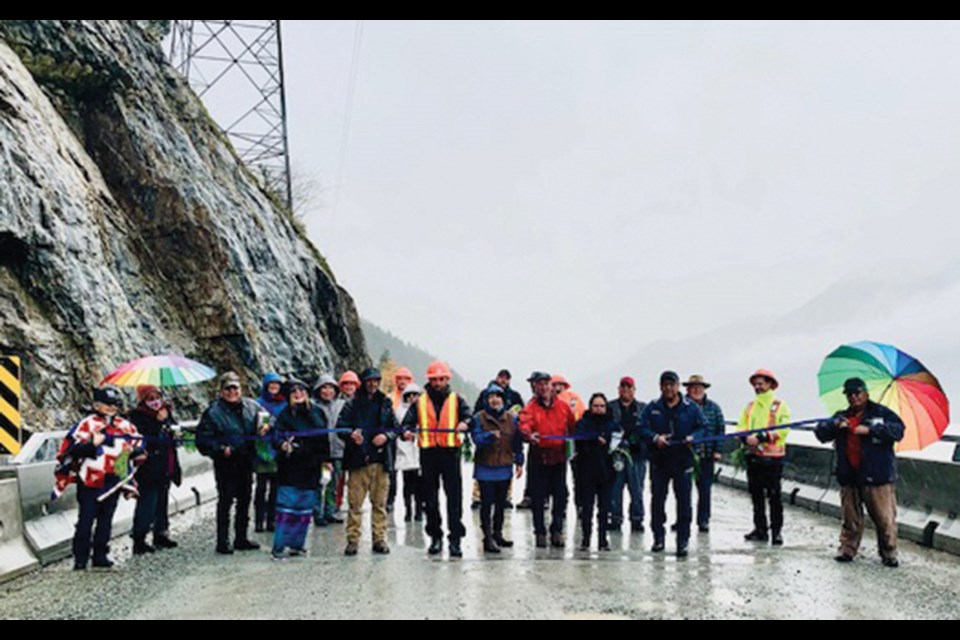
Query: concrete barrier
[[15, 555]]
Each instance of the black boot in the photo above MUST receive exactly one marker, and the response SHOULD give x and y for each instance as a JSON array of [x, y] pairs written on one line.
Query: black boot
[[140, 546], [502, 542], [489, 546], [161, 541], [585, 541], [436, 546], [455, 551]]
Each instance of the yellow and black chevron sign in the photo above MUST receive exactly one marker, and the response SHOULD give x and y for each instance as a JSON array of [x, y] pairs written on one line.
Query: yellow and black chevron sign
[[10, 405]]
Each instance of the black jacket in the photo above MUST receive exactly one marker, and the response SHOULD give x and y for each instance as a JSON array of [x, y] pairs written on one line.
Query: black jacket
[[878, 463], [372, 416], [593, 461], [224, 425], [631, 431], [301, 467], [162, 465]]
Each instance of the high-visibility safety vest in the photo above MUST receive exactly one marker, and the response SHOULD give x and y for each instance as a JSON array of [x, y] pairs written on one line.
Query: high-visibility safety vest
[[427, 437], [776, 447]]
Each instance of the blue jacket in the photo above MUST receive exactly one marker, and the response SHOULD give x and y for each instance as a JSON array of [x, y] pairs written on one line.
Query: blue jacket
[[715, 426], [685, 419], [878, 463]]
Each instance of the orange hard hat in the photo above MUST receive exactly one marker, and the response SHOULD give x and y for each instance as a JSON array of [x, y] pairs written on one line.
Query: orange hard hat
[[403, 372], [766, 373], [350, 376], [438, 369], [559, 380]]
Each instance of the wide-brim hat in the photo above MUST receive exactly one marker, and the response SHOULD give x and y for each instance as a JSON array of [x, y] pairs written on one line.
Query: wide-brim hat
[[697, 379]]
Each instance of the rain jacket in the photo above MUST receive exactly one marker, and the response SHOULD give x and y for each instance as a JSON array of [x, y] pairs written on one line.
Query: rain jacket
[[759, 418], [301, 467], [878, 463], [495, 458], [224, 425], [593, 462], [554, 420], [373, 416]]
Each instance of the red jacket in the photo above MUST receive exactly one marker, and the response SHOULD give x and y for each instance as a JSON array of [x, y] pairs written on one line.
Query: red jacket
[[555, 420]]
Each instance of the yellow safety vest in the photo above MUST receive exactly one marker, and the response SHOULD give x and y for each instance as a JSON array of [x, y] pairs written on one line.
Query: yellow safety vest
[[448, 419]]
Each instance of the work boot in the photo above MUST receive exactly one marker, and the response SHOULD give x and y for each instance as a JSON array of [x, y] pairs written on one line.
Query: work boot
[[556, 541], [436, 546], [892, 563], [756, 536], [161, 541], [541, 541], [224, 549], [489, 546], [704, 528], [103, 563], [604, 544], [843, 558], [140, 546], [246, 545], [351, 549], [777, 539], [381, 547], [502, 542], [682, 551], [455, 551], [657, 547], [636, 527]]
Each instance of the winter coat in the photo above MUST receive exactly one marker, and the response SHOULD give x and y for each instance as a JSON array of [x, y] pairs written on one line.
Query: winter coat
[[224, 425], [677, 423], [593, 461], [495, 457], [408, 453], [631, 431], [555, 420], [301, 467], [878, 462], [373, 416], [162, 465]]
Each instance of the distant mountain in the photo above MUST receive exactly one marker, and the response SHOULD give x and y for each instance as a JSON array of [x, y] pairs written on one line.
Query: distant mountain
[[918, 314], [410, 356]]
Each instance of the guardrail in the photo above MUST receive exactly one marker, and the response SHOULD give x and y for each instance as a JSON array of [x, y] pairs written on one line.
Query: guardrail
[[34, 530]]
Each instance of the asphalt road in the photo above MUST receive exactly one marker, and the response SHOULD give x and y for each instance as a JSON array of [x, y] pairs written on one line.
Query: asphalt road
[[724, 577]]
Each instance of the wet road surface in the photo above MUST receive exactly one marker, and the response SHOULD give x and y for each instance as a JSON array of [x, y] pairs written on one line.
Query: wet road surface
[[724, 577]]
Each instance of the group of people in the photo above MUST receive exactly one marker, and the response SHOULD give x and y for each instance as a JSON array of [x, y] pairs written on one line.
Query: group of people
[[306, 446]]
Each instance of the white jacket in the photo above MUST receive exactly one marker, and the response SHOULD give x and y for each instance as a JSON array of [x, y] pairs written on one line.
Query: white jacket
[[408, 453]]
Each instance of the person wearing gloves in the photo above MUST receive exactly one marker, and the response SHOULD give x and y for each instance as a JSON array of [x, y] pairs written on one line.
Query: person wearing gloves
[[225, 434], [153, 418], [594, 466], [499, 451], [325, 395], [408, 461], [865, 435], [273, 402], [299, 460], [368, 459]]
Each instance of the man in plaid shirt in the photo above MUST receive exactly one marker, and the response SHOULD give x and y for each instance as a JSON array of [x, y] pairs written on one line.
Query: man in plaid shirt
[[708, 452]]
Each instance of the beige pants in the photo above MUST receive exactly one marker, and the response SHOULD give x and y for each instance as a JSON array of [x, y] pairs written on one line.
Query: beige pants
[[881, 504], [371, 480]]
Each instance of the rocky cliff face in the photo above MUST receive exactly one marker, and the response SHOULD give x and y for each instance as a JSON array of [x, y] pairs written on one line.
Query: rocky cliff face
[[128, 227]]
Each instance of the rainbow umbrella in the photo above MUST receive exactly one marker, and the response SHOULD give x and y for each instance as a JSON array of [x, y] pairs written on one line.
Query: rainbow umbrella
[[894, 379], [160, 371]]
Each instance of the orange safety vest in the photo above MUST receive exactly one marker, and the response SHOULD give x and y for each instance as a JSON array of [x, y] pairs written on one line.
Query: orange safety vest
[[776, 448], [448, 420]]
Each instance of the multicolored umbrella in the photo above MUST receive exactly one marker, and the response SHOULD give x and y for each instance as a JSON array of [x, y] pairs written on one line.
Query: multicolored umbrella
[[160, 371], [894, 379]]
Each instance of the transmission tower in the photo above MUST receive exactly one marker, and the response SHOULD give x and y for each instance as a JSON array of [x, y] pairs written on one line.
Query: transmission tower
[[236, 68]]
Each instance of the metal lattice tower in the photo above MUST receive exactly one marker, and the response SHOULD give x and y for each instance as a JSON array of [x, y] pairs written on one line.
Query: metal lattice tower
[[236, 68]]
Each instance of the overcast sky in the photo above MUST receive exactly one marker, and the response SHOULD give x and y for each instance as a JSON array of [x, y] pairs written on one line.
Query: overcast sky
[[557, 195]]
